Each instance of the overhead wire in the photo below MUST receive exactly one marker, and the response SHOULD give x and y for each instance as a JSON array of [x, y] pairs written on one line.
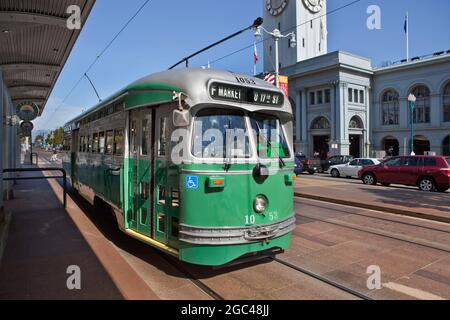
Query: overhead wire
[[97, 58]]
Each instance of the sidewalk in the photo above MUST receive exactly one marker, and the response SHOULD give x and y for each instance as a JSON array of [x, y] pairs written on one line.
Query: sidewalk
[[45, 239], [397, 200]]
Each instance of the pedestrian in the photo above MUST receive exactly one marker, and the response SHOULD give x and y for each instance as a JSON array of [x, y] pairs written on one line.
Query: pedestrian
[[54, 157]]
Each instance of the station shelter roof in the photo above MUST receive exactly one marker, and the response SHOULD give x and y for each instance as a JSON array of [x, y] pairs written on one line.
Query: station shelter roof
[[35, 42]]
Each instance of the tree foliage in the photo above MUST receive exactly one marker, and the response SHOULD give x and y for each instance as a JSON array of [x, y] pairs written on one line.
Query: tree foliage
[[39, 139], [55, 138]]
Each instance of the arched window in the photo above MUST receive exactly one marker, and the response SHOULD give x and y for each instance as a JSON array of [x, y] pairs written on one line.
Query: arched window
[[446, 146], [320, 123], [422, 110], [356, 123], [391, 146], [421, 145], [390, 108], [446, 103]]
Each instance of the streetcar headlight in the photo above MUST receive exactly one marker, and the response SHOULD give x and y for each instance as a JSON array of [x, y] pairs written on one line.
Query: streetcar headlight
[[260, 204]]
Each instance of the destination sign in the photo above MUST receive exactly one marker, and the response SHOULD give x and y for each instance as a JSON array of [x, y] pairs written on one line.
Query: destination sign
[[229, 92]]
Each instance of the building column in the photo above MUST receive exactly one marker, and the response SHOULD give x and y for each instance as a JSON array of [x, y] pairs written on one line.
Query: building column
[[404, 112], [298, 117], [368, 128], [342, 134], [333, 113], [302, 145], [404, 145], [2, 145], [333, 118], [436, 110]]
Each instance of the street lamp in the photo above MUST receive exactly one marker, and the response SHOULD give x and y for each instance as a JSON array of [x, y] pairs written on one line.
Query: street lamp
[[276, 34], [412, 105]]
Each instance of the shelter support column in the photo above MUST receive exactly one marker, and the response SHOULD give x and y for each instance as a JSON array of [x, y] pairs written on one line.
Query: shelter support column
[[2, 144]]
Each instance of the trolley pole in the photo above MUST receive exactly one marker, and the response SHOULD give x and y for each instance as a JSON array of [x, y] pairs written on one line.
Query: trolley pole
[[255, 25]]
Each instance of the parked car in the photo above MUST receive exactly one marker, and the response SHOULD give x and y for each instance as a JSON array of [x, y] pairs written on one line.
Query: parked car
[[335, 160], [298, 166], [351, 168], [308, 165], [428, 173]]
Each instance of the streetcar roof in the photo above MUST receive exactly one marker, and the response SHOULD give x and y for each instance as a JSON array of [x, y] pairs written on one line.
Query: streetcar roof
[[191, 81]]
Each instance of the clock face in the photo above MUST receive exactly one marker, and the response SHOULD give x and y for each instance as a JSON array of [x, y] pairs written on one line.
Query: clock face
[[276, 7], [313, 5]]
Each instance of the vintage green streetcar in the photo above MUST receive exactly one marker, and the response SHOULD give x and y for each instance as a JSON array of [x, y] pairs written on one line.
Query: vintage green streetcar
[[195, 162]]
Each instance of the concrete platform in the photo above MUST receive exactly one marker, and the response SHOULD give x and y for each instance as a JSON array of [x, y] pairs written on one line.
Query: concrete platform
[[394, 199], [45, 239]]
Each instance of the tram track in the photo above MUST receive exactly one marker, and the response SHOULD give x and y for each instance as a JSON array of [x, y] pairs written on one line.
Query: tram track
[[347, 213], [385, 234], [188, 275], [321, 279]]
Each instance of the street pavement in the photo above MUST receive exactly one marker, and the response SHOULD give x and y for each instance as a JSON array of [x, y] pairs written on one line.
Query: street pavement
[[338, 243], [394, 199]]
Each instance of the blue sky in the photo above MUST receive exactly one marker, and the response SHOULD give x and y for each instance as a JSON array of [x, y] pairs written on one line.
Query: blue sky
[[165, 31]]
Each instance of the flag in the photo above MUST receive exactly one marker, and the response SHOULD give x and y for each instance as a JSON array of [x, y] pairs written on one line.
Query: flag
[[270, 78], [255, 54], [406, 24]]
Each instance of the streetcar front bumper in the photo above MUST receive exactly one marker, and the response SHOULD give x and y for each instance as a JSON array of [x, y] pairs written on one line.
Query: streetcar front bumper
[[235, 235]]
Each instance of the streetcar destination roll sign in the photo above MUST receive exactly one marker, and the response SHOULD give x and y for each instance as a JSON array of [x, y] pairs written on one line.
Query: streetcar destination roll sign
[[229, 92]]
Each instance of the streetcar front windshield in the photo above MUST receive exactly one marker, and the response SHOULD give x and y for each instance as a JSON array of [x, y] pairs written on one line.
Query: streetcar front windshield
[[269, 136], [220, 134]]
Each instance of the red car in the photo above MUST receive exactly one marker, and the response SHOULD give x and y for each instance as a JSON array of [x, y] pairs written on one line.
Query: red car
[[427, 172]]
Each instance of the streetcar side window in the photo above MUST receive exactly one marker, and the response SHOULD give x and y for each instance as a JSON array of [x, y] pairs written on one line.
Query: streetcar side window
[[161, 222], [80, 148], [109, 141], [118, 142], [144, 137], [101, 141], [89, 145], [162, 137], [162, 195], [95, 143], [85, 143], [134, 136]]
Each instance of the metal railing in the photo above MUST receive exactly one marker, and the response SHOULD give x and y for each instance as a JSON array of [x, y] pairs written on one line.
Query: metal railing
[[63, 176], [36, 156]]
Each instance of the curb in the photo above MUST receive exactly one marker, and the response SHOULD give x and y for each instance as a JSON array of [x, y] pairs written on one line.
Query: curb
[[375, 207]]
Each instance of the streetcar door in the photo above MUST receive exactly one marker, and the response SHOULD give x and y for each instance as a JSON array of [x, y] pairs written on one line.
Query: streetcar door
[[162, 197], [132, 164], [139, 168]]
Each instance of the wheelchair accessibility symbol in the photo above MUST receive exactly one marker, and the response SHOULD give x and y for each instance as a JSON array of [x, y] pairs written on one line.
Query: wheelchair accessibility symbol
[[192, 182]]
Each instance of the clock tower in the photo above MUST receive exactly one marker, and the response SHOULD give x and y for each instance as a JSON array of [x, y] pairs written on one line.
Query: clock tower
[[306, 18]]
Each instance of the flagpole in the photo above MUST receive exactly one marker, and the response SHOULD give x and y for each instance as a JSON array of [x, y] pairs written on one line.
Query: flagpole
[[407, 36], [255, 58]]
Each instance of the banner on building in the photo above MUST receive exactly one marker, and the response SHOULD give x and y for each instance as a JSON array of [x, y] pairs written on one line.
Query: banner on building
[[284, 85]]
